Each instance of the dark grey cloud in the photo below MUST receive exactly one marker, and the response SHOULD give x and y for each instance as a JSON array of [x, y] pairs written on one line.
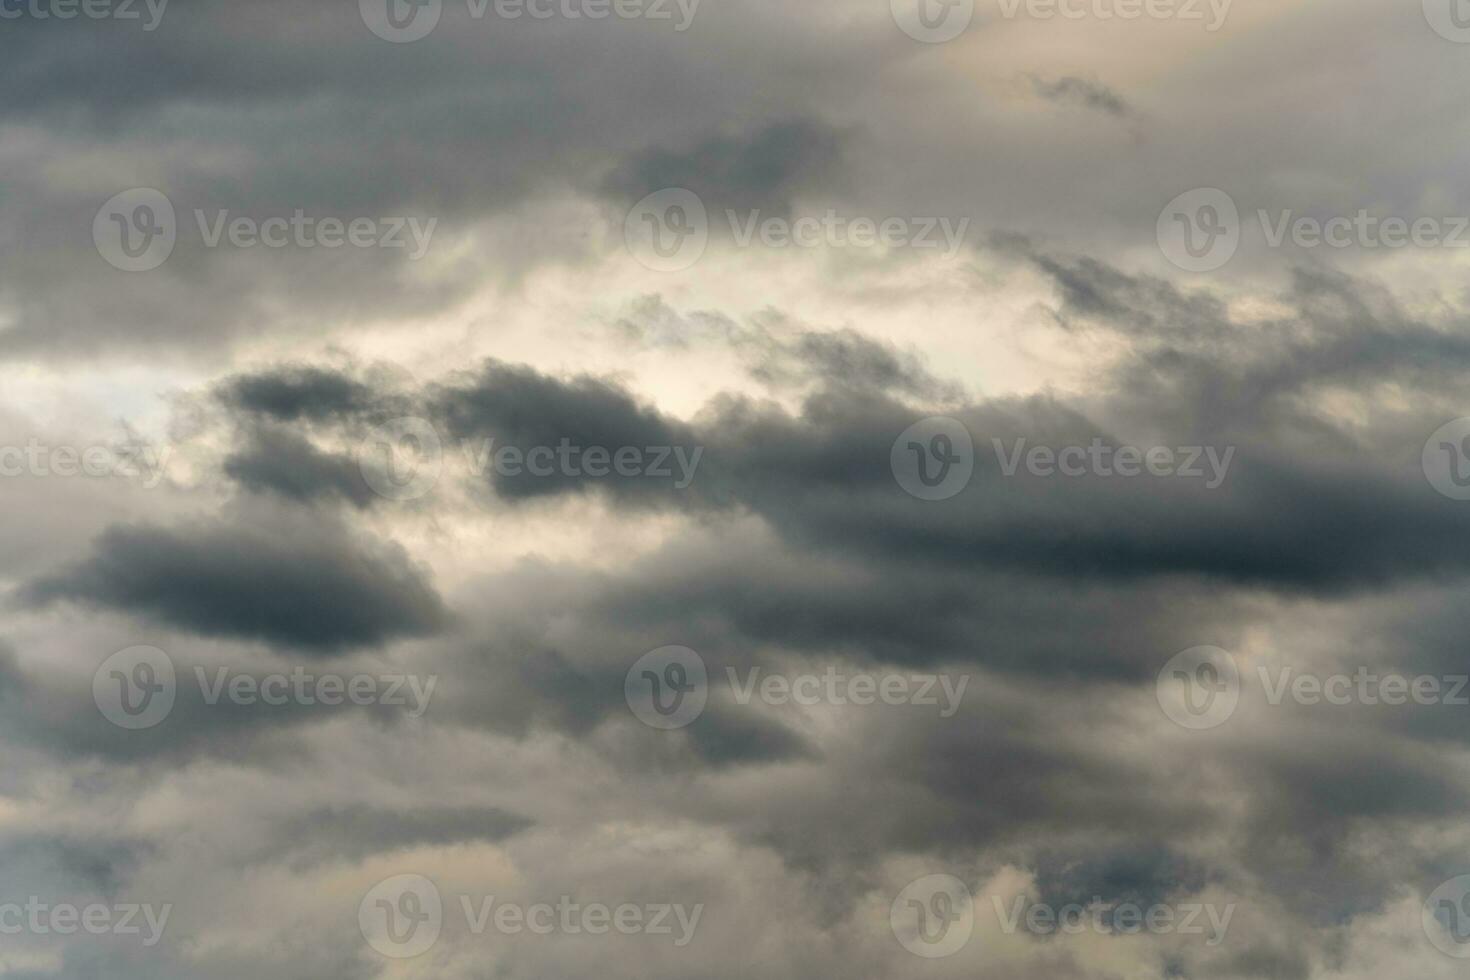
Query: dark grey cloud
[[300, 392], [1146, 876], [511, 678], [522, 409], [284, 463], [1060, 601], [481, 124], [760, 169], [56, 715], [303, 583], [1277, 519], [1070, 89], [355, 831], [793, 548]]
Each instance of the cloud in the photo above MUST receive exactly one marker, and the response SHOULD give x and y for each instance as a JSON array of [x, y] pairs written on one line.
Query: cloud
[[305, 583], [1079, 91], [284, 463], [761, 169]]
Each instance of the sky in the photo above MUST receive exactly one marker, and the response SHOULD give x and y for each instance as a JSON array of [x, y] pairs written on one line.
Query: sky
[[703, 489]]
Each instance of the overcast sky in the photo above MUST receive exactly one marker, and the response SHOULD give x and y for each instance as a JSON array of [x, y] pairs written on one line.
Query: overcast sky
[[706, 489]]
